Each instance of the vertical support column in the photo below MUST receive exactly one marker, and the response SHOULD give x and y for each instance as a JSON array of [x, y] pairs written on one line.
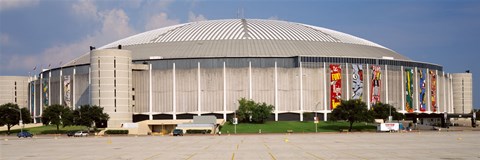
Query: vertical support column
[[276, 92], [386, 84], [368, 87], [224, 92], [250, 80], [428, 84], [437, 100], [301, 90], [450, 80], [89, 85], [416, 89], [325, 104], [199, 92], [402, 91], [61, 86], [346, 81], [49, 87], [34, 101], [41, 94], [174, 101], [150, 93], [74, 105], [444, 79]]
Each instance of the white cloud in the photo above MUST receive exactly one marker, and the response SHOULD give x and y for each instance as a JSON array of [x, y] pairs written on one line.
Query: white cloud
[[195, 18], [4, 39], [86, 9], [273, 18], [160, 20], [12, 4]]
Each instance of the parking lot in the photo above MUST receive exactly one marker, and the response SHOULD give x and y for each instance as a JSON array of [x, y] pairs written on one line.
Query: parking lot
[[412, 145]]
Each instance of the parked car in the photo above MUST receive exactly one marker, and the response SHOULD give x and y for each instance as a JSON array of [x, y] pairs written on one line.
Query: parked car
[[71, 133], [81, 134], [177, 132], [24, 134]]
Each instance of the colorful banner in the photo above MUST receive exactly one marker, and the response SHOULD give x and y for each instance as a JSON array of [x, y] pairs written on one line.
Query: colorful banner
[[376, 85], [409, 90], [422, 73], [433, 91], [45, 92], [66, 90], [357, 81], [335, 85]]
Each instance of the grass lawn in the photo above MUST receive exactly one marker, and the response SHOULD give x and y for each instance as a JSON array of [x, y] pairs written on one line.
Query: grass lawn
[[51, 129], [295, 126]]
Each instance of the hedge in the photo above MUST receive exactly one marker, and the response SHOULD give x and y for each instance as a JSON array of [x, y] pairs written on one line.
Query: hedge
[[116, 132]]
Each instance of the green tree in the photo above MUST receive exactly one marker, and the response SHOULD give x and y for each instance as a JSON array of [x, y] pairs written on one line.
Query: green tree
[[10, 116], [250, 111], [57, 115], [88, 115], [352, 111], [382, 111]]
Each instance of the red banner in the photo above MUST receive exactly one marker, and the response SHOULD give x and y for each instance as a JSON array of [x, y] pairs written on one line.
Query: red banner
[[335, 85]]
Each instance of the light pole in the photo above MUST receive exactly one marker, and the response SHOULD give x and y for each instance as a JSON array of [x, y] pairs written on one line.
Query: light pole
[[21, 120], [316, 118]]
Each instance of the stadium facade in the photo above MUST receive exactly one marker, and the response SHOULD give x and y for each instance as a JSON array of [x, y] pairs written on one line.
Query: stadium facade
[[204, 68]]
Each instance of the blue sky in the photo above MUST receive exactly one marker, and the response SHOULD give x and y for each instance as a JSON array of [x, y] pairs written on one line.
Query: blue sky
[[39, 33]]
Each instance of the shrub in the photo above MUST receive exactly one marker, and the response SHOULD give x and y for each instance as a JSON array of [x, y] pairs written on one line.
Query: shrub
[[116, 132]]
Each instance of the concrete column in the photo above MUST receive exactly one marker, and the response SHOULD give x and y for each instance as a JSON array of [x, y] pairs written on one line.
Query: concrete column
[[174, 101], [74, 105], [444, 84], [386, 84], [428, 84], [224, 92], [199, 90], [301, 90], [437, 98], [34, 102], [90, 84], [325, 79], [415, 73], [49, 87], [250, 80], [150, 93], [276, 92], [368, 87], [41, 94], [346, 81], [61, 86], [402, 91]]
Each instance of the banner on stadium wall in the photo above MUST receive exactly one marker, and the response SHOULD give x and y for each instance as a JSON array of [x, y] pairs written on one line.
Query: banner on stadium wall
[[45, 92], [433, 91], [66, 90], [335, 85], [376, 85], [422, 84], [409, 90], [357, 81]]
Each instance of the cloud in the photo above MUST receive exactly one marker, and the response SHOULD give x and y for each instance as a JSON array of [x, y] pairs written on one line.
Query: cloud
[[273, 18], [4, 39], [86, 9], [160, 20], [195, 18], [12, 4]]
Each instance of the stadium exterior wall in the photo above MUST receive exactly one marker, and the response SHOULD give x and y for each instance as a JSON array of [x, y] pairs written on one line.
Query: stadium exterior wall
[[181, 88]]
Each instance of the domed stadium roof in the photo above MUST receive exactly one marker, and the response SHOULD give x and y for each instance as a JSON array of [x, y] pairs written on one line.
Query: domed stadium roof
[[246, 38]]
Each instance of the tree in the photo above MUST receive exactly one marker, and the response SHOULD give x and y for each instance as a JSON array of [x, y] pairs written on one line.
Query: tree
[[250, 111], [10, 116], [57, 115], [382, 111], [88, 115], [352, 111]]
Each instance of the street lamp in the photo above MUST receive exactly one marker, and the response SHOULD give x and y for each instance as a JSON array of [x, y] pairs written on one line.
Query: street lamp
[[316, 118], [21, 120]]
